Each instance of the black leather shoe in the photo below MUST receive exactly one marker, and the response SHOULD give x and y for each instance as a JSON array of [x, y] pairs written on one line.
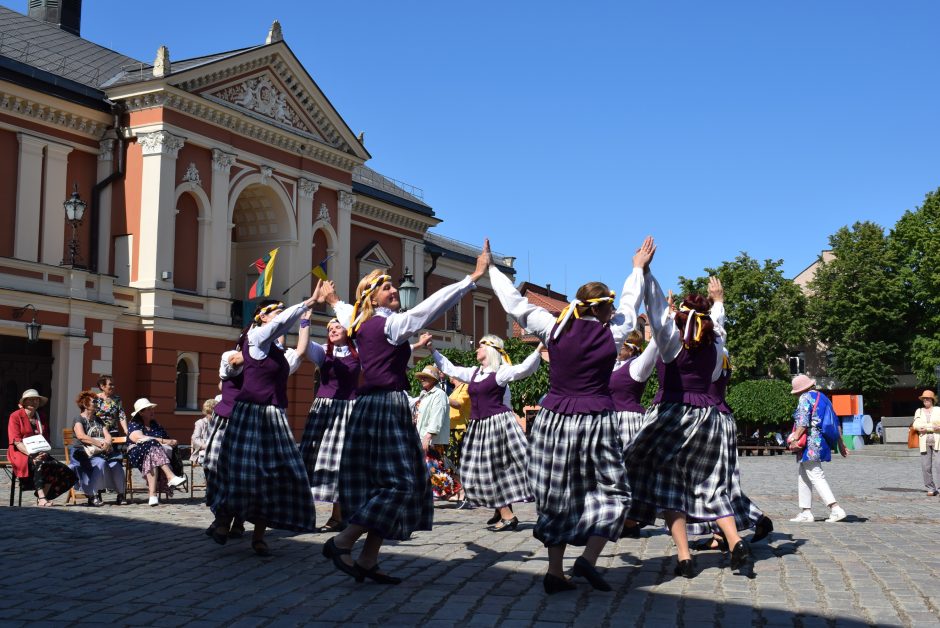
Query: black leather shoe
[[685, 568], [237, 530], [764, 527], [506, 524], [740, 555], [586, 570], [554, 584], [334, 553], [494, 519], [376, 576], [712, 544]]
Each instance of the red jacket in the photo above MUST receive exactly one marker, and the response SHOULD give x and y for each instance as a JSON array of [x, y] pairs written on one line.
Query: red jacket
[[19, 428]]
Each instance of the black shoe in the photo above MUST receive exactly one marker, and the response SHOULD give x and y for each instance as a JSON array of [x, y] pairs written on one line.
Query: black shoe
[[332, 525], [586, 570], [334, 553], [120, 499], [260, 547], [98, 501], [376, 576], [630, 532], [715, 543], [506, 524], [685, 568], [210, 529], [494, 519], [554, 584], [764, 527], [236, 531], [740, 555]]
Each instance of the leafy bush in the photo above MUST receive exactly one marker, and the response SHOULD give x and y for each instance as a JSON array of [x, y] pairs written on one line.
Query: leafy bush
[[762, 401]]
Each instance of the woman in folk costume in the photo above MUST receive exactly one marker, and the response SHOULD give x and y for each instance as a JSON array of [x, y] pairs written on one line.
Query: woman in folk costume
[[493, 459], [385, 491], [575, 468], [260, 476], [322, 443], [678, 463]]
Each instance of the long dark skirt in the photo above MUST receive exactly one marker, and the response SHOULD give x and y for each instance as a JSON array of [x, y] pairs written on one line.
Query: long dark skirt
[[322, 446], [259, 475], [577, 477], [55, 476], [493, 462], [383, 481]]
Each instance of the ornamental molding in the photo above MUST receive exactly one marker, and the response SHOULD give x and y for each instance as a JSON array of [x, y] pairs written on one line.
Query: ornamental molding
[[346, 200], [307, 187], [266, 173], [160, 143], [191, 176], [106, 150], [261, 96], [235, 121], [222, 161], [43, 112], [387, 216], [323, 214]]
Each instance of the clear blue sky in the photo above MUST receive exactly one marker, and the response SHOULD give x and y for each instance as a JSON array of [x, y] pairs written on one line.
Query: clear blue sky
[[567, 131]]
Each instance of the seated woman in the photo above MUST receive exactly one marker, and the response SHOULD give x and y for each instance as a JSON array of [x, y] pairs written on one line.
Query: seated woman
[[201, 432], [47, 475], [91, 455], [150, 450]]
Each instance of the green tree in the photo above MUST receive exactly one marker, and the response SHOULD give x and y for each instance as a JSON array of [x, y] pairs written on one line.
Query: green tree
[[766, 314], [857, 309], [762, 401], [915, 244]]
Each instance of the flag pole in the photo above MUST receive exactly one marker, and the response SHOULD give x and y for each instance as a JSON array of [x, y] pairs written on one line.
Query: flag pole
[[304, 276]]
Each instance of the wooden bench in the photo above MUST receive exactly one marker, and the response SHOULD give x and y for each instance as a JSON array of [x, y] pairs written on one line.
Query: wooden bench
[[751, 450], [68, 439]]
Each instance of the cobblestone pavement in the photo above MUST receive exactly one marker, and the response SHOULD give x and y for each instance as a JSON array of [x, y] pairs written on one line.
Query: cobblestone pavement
[[136, 565]]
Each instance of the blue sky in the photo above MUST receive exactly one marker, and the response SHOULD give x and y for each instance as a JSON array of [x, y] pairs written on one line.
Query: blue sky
[[567, 131]]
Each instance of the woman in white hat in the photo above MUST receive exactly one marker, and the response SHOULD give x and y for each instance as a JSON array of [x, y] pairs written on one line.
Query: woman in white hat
[[927, 426], [810, 408], [150, 450]]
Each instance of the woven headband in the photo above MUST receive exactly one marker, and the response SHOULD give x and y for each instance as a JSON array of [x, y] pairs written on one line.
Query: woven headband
[[363, 298], [267, 309], [572, 309], [687, 335], [500, 350]]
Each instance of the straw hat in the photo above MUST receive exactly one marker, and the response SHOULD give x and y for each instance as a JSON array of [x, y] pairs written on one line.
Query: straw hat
[[142, 404], [32, 393], [802, 383], [430, 372], [928, 394]]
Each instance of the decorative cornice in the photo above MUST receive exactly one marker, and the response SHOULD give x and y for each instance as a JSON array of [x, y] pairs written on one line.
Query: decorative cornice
[[49, 114], [307, 188], [235, 121], [160, 143], [406, 221], [346, 200], [222, 161], [106, 150]]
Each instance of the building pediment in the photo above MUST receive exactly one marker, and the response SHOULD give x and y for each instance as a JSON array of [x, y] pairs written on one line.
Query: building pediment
[[263, 96]]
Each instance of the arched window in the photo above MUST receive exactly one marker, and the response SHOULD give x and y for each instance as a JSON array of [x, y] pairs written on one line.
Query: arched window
[[187, 382]]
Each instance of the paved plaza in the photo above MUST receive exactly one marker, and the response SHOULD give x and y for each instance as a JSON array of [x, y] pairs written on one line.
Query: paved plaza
[[136, 565]]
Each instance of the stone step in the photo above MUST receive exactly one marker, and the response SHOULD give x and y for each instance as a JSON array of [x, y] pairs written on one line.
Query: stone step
[[887, 451]]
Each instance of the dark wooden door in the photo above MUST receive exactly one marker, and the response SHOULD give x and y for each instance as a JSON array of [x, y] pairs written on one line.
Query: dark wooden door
[[22, 366]]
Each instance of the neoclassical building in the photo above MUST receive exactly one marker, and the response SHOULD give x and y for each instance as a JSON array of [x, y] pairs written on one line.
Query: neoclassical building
[[190, 170]]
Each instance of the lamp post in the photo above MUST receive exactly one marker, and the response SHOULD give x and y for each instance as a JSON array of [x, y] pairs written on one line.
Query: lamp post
[[407, 291], [33, 326], [74, 213]]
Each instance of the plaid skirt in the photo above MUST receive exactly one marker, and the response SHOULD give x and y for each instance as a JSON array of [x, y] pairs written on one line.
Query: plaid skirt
[[746, 513], [217, 427], [630, 423], [682, 460], [259, 475], [576, 474], [493, 462], [384, 484], [322, 446]]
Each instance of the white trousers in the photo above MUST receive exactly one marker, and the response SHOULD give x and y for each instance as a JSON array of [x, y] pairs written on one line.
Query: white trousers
[[812, 477]]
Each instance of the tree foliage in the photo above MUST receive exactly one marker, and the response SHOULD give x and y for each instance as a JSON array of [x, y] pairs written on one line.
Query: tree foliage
[[857, 309], [766, 314], [762, 401]]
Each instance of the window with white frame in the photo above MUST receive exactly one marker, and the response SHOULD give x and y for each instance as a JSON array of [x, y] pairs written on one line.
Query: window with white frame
[[187, 381]]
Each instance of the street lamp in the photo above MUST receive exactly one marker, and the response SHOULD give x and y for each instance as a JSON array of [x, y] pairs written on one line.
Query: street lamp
[[407, 291], [33, 326], [74, 212]]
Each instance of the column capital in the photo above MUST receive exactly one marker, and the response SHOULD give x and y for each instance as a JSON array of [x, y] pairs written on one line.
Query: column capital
[[222, 161], [106, 150], [307, 187], [161, 143], [346, 200]]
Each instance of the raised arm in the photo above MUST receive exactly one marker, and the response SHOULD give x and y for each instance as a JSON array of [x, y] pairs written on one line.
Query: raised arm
[[401, 326], [536, 320], [316, 353], [624, 319], [262, 336], [716, 293], [642, 367], [665, 333], [515, 372], [228, 370], [462, 373]]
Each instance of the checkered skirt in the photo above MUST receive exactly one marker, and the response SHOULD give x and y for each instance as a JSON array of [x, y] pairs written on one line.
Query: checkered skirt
[[217, 425], [746, 513], [629, 424], [259, 474], [577, 477], [322, 446], [493, 462], [384, 483], [682, 460]]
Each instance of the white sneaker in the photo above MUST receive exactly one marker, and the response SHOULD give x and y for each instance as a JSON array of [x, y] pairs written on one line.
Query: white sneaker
[[804, 517], [180, 479], [154, 500], [836, 514]]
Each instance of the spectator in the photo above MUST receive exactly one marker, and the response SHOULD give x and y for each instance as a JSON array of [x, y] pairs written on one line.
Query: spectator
[[201, 433], [151, 449], [108, 407], [91, 456], [48, 476], [433, 417], [927, 426]]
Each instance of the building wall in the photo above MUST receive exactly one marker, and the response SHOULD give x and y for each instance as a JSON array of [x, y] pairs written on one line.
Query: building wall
[[9, 152]]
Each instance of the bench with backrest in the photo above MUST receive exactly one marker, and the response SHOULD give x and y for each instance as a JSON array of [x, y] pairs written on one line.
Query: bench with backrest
[[68, 439]]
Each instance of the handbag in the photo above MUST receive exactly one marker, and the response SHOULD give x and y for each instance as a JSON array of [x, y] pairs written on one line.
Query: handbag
[[36, 444], [913, 438], [797, 446], [92, 450]]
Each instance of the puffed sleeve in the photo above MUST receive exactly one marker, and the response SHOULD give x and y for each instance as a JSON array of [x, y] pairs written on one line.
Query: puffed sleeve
[[533, 319]]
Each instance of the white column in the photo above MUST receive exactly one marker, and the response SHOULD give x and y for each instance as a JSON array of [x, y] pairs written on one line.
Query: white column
[[68, 354], [218, 249], [157, 208], [343, 236], [413, 257], [105, 166], [55, 191], [28, 195], [306, 188]]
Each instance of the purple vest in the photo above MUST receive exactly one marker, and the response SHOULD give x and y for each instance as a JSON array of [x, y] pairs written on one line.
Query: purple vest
[[687, 379], [626, 391], [265, 381], [581, 361], [384, 365], [230, 389], [339, 378], [717, 392], [486, 397]]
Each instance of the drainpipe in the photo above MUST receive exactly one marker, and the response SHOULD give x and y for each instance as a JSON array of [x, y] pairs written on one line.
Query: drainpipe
[[117, 175], [430, 270]]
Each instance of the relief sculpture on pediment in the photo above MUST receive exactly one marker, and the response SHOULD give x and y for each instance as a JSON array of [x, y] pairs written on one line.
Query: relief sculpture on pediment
[[261, 96]]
